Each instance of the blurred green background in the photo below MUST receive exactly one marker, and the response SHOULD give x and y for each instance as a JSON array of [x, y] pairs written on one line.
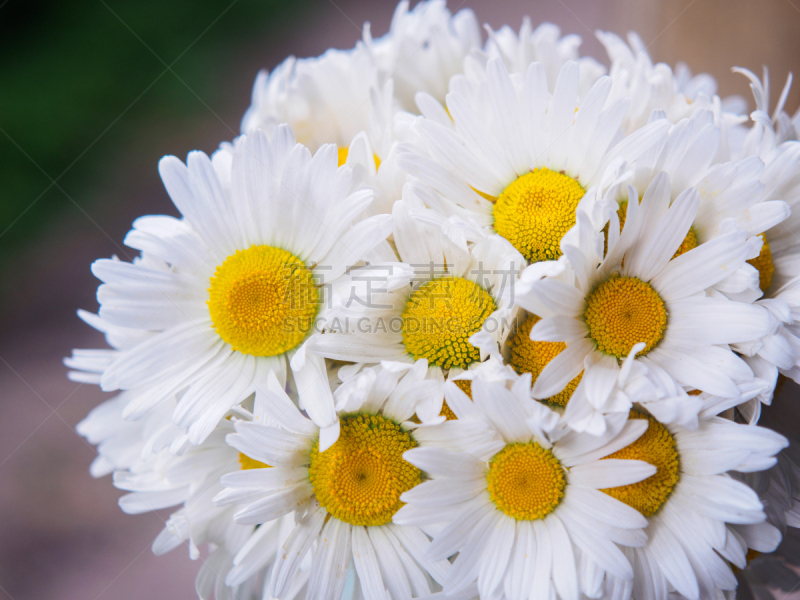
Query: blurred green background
[[81, 79], [81, 66]]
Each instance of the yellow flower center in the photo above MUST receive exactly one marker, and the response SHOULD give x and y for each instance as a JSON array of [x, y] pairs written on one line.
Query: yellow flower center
[[688, 243], [262, 300], [535, 211], [763, 264], [447, 412], [528, 356], [465, 385], [360, 478], [248, 463], [623, 311], [657, 447], [526, 481], [440, 317], [343, 152]]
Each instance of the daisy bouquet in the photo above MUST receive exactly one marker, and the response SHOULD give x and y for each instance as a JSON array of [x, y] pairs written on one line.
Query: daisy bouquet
[[459, 317]]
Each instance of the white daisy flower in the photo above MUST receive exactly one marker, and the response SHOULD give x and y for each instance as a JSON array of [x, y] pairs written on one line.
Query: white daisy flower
[[341, 98], [778, 287], [543, 45], [768, 131], [149, 461], [676, 95], [635, 383], [243, 281], [424, 48], [343, 499], [516, 159], [700, 519], [772, 139], [637, 293], [732, 191], [520, 502], [456, 291], [326, 100]]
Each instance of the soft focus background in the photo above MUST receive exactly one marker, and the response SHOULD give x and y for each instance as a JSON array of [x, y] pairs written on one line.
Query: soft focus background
[[92, 94]]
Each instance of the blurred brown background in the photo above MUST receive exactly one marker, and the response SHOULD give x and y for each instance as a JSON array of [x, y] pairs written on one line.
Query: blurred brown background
[[132, 94]]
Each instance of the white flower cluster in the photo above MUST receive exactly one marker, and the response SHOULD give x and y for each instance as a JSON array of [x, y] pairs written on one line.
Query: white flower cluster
[[463, 319]]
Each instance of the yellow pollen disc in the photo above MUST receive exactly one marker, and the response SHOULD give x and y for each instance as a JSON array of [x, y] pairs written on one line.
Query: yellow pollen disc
[[623, 311], [447, 412], [526, 481], [535, 211], [764, 266], [689, 242], [262, 300], [441, 316], [343, 152], [532, 357], [657, 447], [360, 478], [465, 385], [248, 463]]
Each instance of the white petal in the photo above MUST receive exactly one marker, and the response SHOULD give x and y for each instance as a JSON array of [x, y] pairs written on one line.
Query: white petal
[[701, 267], [306, 531], [565, 575], [503, 409], [562, 369], [611, 472], [331, 559], [367, 568], [274, 506], [315, 394]]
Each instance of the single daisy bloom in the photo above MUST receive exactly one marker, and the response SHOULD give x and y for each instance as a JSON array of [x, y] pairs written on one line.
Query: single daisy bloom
[[344, 498], [518, 355], [544, 45], [151, 461], [340, 98], [520, 503], [768, 131], [730, 191], [637, 293], [700, 519], [646, 385], [772, 139], [509, 157], [777, 286], [453, 291], [749, 194], [675, 94], [242, 284], [326, 100], [423, 49]]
